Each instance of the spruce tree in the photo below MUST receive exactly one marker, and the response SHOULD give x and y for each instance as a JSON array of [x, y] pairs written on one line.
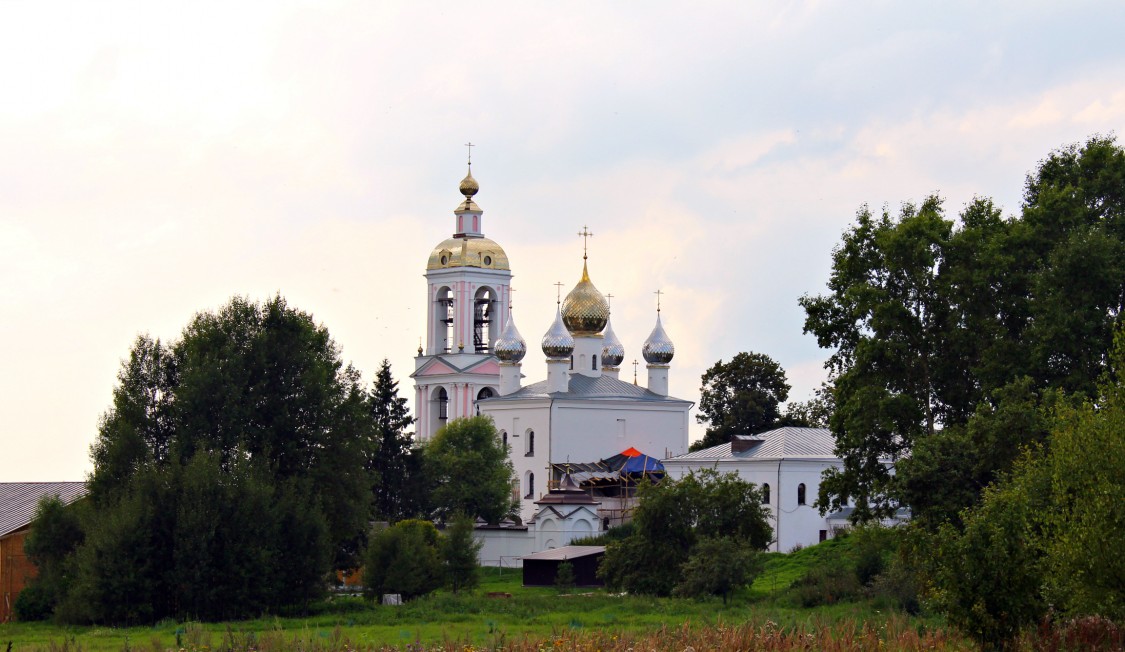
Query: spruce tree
[[387, 459]]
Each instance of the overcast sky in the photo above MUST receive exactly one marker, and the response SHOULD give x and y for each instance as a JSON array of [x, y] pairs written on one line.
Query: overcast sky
[[158, 158]]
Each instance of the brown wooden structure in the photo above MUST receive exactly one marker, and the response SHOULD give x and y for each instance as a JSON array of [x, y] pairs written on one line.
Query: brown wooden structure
[[18, 501]]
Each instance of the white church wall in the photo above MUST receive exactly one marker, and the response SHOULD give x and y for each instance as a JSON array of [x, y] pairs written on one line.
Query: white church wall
[[594, 432], [519, 422]]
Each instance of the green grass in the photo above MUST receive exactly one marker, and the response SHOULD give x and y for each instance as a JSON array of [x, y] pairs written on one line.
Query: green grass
[[480, 620]]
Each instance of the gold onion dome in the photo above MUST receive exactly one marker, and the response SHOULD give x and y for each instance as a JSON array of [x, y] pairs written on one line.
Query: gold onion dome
[[658, 348], [469, 185], [585, 311], [558, 343], [613, 352], [510, 347]]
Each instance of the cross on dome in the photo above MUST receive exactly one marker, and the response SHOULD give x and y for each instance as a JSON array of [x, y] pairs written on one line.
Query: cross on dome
[[585, 233], [658, 293]]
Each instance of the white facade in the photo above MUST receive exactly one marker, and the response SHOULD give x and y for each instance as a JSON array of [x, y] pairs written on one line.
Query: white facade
[[789, 462], [595, 419]]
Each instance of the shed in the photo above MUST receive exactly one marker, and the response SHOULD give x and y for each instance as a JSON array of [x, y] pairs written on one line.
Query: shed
[[18, 501], [541, 568]]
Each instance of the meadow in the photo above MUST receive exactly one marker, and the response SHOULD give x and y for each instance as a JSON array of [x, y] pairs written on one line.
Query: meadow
[[763, 616]]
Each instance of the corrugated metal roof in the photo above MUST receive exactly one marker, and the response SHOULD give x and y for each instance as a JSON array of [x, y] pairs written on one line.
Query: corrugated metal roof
[[566, 552], [18, 500], [588, 388], [788, 442]]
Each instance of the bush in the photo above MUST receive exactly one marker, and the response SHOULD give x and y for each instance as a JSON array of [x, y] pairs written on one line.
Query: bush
[[403, 559], [718, 566], [459, 552], [564, 576], [35, 602]]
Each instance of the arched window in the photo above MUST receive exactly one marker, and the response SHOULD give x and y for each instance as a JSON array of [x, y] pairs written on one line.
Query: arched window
[[765, 494], [530, 443], [801, 494], [443, 320], [485, 393], [443, 404], [530, 485], [484, 331], [595, 360], [572, 362], [504, 438]]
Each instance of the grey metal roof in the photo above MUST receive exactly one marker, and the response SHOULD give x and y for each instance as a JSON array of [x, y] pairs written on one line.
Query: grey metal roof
[[566, 552], [788, 442], [588, 388], [18, 500]]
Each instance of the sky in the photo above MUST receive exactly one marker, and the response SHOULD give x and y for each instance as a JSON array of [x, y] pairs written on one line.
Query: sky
[[158, 158]]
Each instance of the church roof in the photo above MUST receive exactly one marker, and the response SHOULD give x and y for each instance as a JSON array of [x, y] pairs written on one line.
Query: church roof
[[788, 442], [589, 388], [18, 500]]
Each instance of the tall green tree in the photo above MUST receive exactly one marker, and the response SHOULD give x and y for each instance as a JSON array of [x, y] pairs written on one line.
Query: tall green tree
[[883, 318], [740, 397], [469, 470], [229, 473], [388, 462], [935, 326]]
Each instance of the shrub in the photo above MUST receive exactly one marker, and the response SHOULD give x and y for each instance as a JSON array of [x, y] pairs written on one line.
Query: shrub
[[403, 559], [564, 576]]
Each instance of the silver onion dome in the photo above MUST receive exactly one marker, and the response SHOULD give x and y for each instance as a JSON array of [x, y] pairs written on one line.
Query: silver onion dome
[[510, 347], [558, 342], [658, 348], [613, 352]]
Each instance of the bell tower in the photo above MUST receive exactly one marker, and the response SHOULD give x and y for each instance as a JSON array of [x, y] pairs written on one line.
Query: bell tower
[[468, 285]]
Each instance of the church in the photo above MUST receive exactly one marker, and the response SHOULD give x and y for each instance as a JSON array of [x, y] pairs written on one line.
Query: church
[[581, 413]]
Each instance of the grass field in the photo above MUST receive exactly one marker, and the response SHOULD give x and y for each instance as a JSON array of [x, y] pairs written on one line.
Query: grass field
[[532, 618]]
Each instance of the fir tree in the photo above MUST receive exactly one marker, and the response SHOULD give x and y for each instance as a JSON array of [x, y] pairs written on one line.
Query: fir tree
[[388, 458]]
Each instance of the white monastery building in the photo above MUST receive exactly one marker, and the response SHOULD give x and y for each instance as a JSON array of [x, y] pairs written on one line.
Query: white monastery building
[[582, 412], [786, 465]]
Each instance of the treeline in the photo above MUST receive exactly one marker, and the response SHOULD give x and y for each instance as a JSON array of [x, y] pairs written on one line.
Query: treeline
[[976, 353], [237, 467]]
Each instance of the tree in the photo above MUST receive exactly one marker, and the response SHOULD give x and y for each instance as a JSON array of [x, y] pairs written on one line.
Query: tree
[[672, 516], [56, 532], [813, 413], [459, 552], [882, 317], [403, 559], [740, 397], [930, 322], [388, 462], [228, 473], [1048, 533], [469, 469], [717, 566]]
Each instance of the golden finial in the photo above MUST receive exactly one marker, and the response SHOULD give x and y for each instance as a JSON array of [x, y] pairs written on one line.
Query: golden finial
[[585, 234], [634, 371], [470, 145]]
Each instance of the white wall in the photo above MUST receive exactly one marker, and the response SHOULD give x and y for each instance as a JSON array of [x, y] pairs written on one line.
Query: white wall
[[504, 547]]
